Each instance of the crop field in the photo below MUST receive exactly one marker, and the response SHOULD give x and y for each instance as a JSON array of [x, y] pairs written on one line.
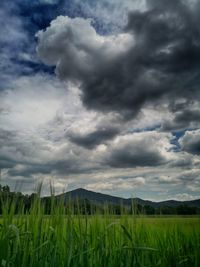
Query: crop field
[[58, 240]]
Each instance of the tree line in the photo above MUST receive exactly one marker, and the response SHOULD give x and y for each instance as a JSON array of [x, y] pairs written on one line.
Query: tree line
[[24, 203]]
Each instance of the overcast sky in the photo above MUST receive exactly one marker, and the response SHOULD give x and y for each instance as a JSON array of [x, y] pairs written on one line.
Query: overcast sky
[[101, 94]]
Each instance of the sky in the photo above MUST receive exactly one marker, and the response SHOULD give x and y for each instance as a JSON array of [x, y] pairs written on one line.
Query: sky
[[102, 95]]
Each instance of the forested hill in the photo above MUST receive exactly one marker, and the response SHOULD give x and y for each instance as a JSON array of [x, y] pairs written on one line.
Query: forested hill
[[89, 202], [81, 193]]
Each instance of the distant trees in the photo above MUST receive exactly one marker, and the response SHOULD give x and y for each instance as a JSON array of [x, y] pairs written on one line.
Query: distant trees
[[149, 210], [186, 210], [24, 203], [5, 188]]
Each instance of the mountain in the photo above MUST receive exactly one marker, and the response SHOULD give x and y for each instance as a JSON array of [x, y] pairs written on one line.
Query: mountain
[[99, 198], [95, 197]]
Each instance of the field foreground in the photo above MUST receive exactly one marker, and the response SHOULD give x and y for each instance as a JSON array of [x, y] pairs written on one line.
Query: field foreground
[[97, 240]]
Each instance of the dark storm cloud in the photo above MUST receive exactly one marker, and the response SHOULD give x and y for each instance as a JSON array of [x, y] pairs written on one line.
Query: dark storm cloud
[[190, 142], [6, 163], [59, 167], [95, 138], [134, 156], [145, 149], [186, 114], [163, 61], [183, 119]]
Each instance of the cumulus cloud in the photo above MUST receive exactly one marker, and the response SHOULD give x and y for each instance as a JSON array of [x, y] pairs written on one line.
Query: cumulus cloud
[[157, 56], [184, 114], [95, 138], [139, 149], [76, 49], [190, 142]]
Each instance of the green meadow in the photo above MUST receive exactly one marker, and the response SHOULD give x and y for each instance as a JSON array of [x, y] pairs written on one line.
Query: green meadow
[[33, 239]]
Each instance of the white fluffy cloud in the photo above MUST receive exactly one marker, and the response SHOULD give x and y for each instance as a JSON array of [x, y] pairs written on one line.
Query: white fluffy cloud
[[76, 49]]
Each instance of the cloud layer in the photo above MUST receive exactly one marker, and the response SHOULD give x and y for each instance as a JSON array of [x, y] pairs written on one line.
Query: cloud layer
[[155, 58], [190, 142], [121, 115]]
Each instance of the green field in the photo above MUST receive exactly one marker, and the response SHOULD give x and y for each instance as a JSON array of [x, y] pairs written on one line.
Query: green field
[[58, 240]]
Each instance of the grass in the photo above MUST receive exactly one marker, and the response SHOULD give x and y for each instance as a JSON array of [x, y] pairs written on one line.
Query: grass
[[58, 240]]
